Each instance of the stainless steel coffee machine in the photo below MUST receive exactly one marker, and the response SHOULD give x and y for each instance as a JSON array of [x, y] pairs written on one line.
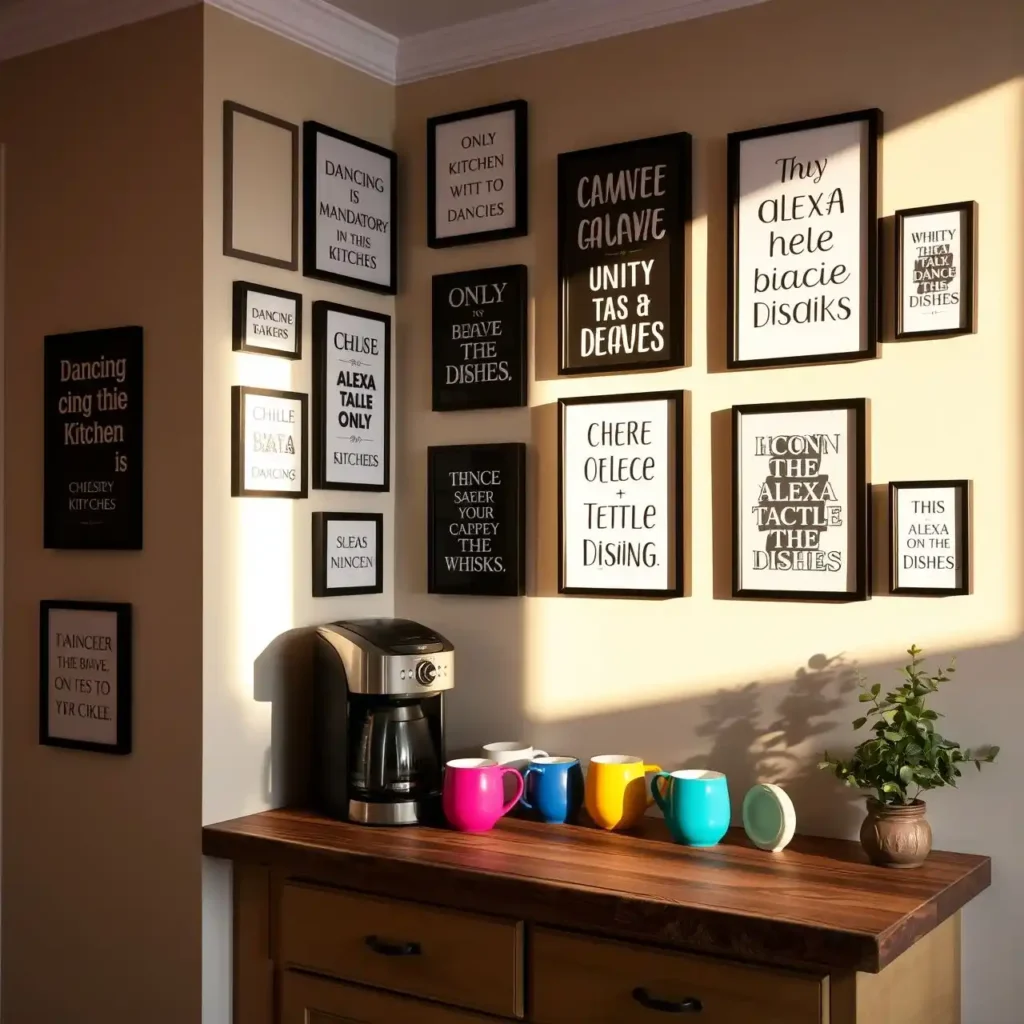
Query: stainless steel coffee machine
[[378, 720]]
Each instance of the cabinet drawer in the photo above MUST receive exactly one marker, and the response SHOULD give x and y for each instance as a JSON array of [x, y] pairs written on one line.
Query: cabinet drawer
[[464, 959], [577, 979], [309, 1000]]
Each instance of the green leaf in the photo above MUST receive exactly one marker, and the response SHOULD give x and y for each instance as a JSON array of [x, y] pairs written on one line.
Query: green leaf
[[865, 697], [876, 689], [858, 722], [893, 737], [906, 774]]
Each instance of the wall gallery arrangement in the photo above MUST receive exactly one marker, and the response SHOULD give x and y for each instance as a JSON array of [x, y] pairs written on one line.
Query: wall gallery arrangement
[[802, 287]]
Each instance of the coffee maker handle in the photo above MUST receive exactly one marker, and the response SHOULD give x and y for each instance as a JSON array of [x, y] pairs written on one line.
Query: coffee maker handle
[[526, 774], [519, 789]]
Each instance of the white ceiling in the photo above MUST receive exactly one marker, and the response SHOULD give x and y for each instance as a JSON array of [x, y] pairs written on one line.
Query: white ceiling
[[410, 17]]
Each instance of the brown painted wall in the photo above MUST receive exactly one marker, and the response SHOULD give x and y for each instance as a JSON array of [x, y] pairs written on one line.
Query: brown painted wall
[[101, 861]]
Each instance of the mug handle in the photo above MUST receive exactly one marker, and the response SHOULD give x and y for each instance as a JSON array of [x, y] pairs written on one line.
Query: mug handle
[[526, 803], [659, 797], [653, 768], [541, 753], [519, 789]]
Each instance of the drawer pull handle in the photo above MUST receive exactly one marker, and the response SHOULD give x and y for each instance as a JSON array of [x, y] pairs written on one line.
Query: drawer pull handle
[[649, 1002], [385, 948]]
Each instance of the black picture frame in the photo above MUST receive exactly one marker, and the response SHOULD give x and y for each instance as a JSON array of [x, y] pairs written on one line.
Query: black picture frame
[[321, 531], [858, 540], [512, 320], [678, 147], [123, 698], [522, 170], [321, 382], [512, 516], [240, 292], [962, 488], [238, 489], [231, 108], [311, 130], [93, 479], [968, 308], [677, 511], [870, 306]]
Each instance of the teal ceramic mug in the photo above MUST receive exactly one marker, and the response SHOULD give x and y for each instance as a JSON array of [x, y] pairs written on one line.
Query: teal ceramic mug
[[695, 803]]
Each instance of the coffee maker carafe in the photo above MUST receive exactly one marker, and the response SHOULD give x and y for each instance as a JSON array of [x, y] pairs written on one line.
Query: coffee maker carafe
[[378, 715]]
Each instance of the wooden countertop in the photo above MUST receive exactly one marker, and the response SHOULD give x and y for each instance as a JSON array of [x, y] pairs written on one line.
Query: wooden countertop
[[817, 904]]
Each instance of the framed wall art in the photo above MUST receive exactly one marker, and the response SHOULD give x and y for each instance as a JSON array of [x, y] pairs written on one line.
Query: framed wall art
[[85, 676], [476, 515], [800, 526], [349, 210], [622, 214], [261, 187], [803, 230], [266, 320], [478, 327], [268, 444], [936, 274], [351, 398], [348, 553], [930, 537], [620, 495], [92, 440], [477, 171]]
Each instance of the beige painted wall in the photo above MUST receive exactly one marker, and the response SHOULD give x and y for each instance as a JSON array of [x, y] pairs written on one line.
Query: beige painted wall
[[756, 689], [101, 855], [257, 558]]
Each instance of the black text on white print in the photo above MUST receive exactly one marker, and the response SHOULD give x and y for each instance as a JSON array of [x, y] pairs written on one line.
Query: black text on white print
[[928, 551], [932, 272], [273, 443], [355, 403], [620, 252], [800, 272], [352, 554]]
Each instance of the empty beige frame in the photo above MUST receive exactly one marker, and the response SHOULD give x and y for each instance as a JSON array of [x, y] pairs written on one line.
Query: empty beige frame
[[261, 187]]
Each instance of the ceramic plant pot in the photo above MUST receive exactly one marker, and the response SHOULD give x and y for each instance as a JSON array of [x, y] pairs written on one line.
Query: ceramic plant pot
[[896, 836]]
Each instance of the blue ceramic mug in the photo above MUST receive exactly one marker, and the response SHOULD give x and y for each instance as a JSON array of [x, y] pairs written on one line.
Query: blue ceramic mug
[[553, 789], [695, 803]]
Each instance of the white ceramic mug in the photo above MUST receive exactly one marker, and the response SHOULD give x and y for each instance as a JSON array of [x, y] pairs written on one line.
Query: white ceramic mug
[[511, 752]]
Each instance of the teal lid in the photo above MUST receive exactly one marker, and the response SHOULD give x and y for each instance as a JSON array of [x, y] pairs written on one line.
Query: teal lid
[[769, 817]]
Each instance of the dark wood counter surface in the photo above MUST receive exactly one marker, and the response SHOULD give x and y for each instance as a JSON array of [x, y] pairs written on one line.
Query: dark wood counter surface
[[816, 904]]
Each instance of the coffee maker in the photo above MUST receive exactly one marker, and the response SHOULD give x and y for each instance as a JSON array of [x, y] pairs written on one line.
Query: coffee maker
[[379, 688]]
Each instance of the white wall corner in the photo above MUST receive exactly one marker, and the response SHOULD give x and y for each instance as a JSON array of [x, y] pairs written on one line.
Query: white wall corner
[[540, 27]]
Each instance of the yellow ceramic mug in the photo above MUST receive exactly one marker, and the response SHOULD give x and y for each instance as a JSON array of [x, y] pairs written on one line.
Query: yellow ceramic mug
[[616, 791]]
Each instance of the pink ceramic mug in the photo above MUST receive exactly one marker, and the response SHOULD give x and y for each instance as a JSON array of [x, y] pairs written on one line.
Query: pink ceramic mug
[[473, 795]]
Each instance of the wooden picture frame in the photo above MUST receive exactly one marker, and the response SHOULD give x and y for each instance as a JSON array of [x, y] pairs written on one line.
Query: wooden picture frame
[[666, 555], [297, 463], [959, 255], [643, 316], [322, 552], [371, 257], [77, 689], [489, 119], [338, 464], [240, 319], [934, 534], [231, 109], [794, 511], [820, 291]]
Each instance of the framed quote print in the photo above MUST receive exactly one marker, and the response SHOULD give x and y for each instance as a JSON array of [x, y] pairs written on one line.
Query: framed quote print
[[478, 329], [930, 537], [476, 515], [620, 500], [803, 227], [268, 444], [936, 249], [351, 398], [800, 501], [85, 676], [348, 553], [477, 169], [266, 320], [349, 210], [622, 214]]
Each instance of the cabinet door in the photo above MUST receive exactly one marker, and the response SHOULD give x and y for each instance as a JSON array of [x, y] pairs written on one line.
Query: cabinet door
[[309, 1000]]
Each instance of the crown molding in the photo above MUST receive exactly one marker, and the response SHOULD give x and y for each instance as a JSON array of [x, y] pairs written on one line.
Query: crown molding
[[540, 27], [325, 29]]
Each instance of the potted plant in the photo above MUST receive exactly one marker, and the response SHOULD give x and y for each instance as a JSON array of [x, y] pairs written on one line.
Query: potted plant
[[905, 756]]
